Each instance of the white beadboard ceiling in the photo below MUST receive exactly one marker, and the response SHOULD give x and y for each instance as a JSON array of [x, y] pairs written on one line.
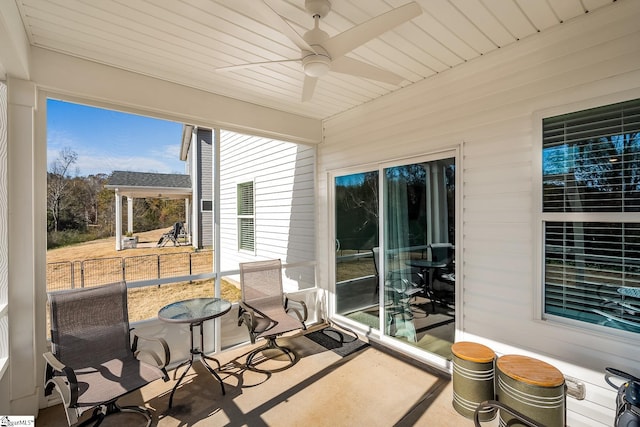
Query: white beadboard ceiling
[[184, 41]]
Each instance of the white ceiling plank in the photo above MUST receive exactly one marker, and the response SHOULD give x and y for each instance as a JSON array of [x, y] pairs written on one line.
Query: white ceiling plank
[[446, 37], [459, 25], [592, 5], [220, 34], [486, 22], [511, 16], [539, 13], [567, 9]]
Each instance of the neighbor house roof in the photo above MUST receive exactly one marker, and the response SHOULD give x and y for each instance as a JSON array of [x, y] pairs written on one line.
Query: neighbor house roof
[[145, 184]]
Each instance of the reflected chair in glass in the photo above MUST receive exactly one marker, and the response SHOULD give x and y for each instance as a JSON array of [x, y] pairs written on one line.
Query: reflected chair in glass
[[93, 362], [621, 309], [443, 281], [264, 308], [399, 291]]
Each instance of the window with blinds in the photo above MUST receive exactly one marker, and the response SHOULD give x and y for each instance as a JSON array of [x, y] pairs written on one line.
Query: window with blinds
[[246, 224], [591, 221]]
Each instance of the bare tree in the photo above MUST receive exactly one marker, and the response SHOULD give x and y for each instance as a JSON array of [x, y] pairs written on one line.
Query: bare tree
[[57, 181]]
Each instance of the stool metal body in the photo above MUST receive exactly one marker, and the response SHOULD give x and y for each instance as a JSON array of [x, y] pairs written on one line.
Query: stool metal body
[[473, 378], [531, 387]]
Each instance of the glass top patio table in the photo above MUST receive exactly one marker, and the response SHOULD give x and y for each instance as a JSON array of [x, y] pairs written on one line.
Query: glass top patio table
[[427, 268], [425, 263], [194, 312]]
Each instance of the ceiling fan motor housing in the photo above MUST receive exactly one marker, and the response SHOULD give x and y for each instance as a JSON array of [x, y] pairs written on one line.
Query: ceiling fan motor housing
[[317, 7], [318, 63]]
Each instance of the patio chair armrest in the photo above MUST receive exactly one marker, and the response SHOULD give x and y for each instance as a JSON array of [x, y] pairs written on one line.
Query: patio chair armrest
[[160, 360], [301, 316], [62, 377], [247, 315], [489, 404]]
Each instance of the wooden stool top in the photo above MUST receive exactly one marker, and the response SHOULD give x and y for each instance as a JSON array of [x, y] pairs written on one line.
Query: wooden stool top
[[530, 371], [473, 352]]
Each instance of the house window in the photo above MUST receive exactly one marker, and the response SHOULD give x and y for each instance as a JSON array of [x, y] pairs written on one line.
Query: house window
[[590, 215], [246, 219]]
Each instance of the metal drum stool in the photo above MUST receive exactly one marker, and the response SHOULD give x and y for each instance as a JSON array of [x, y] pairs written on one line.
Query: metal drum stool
[[532, 387], [473, 378]]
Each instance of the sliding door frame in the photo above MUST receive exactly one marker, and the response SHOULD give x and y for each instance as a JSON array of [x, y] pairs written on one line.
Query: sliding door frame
[[378, 335]]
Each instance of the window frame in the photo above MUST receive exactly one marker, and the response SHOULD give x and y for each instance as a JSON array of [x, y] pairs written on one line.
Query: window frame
[[542, 217], [240, 217]]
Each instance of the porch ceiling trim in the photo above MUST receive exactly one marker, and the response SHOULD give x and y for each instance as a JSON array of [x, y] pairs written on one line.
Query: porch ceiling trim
[[114, 88]]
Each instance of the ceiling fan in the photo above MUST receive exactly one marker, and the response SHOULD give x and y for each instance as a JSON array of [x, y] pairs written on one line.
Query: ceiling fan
[[320, 53]]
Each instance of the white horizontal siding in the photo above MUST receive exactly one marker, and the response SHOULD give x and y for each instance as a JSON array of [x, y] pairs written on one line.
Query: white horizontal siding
[[487, 108], [284, 175]]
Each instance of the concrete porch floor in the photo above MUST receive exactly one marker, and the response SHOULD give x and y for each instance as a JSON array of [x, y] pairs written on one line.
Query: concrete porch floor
[[369, 387]]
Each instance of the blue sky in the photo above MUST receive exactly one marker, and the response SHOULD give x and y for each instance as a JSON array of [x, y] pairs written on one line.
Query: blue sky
[[107, 140]]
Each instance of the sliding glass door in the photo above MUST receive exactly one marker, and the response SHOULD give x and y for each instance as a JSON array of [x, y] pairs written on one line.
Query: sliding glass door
[[357, 234], [395, 251]]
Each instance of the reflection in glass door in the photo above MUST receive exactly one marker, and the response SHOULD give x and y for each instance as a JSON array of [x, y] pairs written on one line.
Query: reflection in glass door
[[419, 248], [356, 220], [409, 270]]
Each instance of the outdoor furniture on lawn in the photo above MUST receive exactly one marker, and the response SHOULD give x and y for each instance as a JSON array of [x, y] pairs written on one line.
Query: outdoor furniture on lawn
[[194, 312], [264, 308], [172, 235], [92, 362]]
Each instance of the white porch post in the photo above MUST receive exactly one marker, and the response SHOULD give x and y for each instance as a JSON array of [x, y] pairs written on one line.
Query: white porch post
[[196, 214], [23, 290], [187, 221], [129, 214], [215, 162], [118, 220]]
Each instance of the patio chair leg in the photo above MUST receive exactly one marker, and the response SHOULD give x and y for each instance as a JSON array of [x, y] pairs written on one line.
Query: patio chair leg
[[103, 411], [270, 345]]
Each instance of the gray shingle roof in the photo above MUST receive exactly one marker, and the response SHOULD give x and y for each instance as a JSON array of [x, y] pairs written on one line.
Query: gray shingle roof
[[145, 179]]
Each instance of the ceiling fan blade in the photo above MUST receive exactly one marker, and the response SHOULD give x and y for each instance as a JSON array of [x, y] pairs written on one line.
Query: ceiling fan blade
[[308, 87], [254, 64], [350, 39], [275, 20], [354, 67]]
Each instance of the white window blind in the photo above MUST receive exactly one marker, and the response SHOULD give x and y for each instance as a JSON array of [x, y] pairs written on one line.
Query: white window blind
[[591, 200], [246, 223]]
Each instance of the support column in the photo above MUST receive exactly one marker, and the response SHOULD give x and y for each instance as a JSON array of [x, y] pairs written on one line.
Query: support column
[[187, 219], [215, 162], [24, 383], [118, 220], [129, 214]]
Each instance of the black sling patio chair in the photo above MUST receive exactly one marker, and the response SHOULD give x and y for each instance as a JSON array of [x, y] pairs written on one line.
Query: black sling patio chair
[[171, 235], [444, 279], [93, 362], [400, 284], [264, 308]]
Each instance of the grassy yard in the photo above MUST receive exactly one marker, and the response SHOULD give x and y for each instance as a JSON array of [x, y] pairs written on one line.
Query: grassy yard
[[144, 303]]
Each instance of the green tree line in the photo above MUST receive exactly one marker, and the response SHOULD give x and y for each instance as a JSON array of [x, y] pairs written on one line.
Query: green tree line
[[80, 208]]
